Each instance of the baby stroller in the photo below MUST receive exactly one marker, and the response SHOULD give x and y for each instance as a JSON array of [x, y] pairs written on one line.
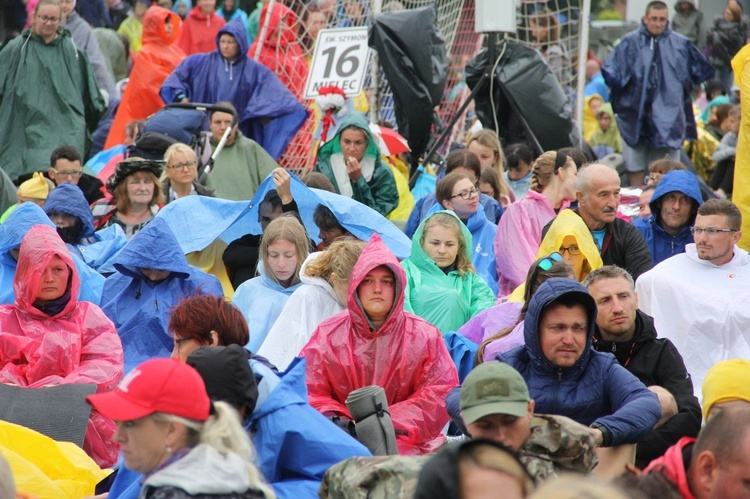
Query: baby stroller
[[181, 122]]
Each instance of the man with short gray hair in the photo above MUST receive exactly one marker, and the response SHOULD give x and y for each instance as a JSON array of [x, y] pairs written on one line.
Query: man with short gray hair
[[630, 335], [598, 195]]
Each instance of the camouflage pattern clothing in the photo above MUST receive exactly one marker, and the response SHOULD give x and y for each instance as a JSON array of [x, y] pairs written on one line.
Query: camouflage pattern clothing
[[558, 444], [384, 477]]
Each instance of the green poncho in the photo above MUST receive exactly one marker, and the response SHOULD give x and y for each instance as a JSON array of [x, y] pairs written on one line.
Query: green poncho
[[609, 138], [446, 300], [379, 192], [239, 169], [48, 98]]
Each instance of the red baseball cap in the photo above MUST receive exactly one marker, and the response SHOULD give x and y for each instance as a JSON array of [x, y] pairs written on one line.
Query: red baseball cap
[[157, 385]]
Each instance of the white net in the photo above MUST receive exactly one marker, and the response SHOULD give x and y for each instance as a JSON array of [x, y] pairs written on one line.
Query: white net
[[551, 26], [291, 58]]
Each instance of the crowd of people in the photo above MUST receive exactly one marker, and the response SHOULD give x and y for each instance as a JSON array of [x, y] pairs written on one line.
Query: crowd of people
[[245, 332]]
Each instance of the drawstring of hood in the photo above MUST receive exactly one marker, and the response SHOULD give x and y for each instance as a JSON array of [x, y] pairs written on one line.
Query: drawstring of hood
[[229, 68]]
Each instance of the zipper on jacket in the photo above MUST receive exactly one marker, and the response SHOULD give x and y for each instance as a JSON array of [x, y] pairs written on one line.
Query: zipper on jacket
[[559, 374], [156, 304], [614, 347]]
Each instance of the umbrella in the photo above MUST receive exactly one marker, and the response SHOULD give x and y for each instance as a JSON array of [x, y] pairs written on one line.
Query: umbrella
[[199, 220], [390, 142]]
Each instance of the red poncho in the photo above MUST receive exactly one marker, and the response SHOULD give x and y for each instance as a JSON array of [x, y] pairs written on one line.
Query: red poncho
[[199, 32], [156, 60], [78, 345], [282, 54], [406, 356]]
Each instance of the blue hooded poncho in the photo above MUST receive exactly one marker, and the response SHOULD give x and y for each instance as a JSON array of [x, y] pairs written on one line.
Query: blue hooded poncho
[[140, 307], [260, 300], [252, 88], [12, 231], [97, 249], [661, 244]]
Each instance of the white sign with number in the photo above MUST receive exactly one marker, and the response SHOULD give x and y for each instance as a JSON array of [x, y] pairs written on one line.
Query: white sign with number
[[340, 59]]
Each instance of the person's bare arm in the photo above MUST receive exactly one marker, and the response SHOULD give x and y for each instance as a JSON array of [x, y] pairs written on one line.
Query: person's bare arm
[[667, 402]]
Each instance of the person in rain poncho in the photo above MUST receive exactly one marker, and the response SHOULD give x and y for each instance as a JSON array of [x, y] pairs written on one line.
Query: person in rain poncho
[[279, 50], [242, 164], [590, 112], [268, 112], [673, 206], [230, 10], [34, 190], [132, 26], [152, 276], [376, 342], [325, 278], [48, 94], [158, 57], [49, 337], [351, 161], [456, 192], [200, 29], [84, 38], [441, 286], [553, 187], [282, 250], [606, 134], [698, 299], [569, 236], [463, 161], [68, 210], [18, 224]]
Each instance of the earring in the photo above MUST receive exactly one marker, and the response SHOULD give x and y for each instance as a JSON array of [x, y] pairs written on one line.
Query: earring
[[169, 449]]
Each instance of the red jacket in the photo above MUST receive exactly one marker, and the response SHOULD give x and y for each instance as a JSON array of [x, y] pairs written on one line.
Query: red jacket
[[156, 60], [78, 345], [406, 356], [672, 466], [199, 32]]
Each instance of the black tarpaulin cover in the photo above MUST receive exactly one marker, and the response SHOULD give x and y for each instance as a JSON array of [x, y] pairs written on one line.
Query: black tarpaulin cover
[[413, 56], [540, 98]]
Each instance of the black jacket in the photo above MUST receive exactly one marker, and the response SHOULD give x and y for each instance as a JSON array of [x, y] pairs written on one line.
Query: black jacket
[[623, 246], [656, 361]]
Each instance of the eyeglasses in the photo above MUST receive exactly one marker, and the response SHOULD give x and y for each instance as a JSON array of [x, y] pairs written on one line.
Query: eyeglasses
[[182, 166], [51, 20], [72, 173], [548, 262], [709, 231], [467, 194], [179, 341], [573, 250]]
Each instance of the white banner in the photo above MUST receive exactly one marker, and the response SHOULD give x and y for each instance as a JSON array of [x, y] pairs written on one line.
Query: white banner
[[340, 59]]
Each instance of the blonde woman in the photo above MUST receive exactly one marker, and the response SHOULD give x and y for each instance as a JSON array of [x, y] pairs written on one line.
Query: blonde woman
[[284, 247], [486, 146], [553, 187], [441, 285], [180, 176], [171, 432]]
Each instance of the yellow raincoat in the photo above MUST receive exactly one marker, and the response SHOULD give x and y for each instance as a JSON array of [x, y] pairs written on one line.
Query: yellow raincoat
[[741, 191], [590, 123], [567, 223], [45, 468]]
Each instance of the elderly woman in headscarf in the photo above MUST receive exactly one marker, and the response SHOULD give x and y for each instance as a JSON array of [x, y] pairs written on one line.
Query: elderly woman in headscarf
[[137, 196]]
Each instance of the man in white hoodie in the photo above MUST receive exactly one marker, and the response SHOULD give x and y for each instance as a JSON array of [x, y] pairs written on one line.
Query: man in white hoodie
[[699, 299]]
